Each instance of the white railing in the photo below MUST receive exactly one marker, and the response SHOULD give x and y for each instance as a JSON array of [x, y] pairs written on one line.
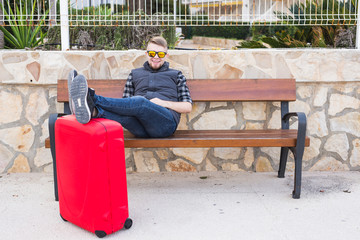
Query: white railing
[[181, 12]]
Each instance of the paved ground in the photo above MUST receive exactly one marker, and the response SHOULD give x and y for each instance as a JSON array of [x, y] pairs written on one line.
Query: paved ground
[[184, 206]]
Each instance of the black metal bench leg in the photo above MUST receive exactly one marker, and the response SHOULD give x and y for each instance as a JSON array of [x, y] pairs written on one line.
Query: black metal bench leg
[[298, 174], [52, 120], [283, 159]]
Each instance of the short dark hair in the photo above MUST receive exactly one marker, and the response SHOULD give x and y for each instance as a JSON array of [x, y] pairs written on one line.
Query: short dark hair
[[158, 40]]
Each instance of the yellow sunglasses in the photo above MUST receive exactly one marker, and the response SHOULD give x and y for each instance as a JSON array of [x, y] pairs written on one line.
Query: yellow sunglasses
[[153, 54]]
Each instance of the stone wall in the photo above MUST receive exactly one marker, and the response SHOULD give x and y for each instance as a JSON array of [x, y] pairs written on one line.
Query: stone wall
[[327, 91]]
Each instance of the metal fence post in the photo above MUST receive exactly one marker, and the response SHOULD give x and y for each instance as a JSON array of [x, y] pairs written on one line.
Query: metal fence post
[[174, 12], [64, 23], [358, 25], [2, 39]]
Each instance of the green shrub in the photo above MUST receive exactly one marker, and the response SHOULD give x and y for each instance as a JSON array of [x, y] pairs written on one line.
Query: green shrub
[[25, 31], [111, 38], [235, 32]]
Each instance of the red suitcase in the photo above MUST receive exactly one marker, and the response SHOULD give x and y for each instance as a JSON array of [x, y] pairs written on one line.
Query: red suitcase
[[91, 174]]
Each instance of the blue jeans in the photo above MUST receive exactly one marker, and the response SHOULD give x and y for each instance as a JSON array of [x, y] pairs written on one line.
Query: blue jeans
[[138, 115]]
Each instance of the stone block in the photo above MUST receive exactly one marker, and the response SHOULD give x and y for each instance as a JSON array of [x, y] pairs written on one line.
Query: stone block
[[209, 166], [5, 75], [339, 102], [79, 61], [320, 96], [35, 55], [329, 164], [179, 165], [300, 106], [10, 107], [329, 70], [349, 123], [197, 109], [254, 110], [195, 155], [228, 72], [183, 123], [179, 59], [112, 62], [355, 153], [221, 119], [227, 153], [263, 165], [218, 104], [49, 168], [254, 126], [14, 57], [20, 165], [344, 88], [19, 138], [253, 72], [275, 120], [34, 68], [338, 143], [44, 131], [37, 106], [23, 89], [231, 167], [127, 153], [99, 67], [145, 161], [316, 124], [350, 70], [281, 67], [200, 70], [305, 91], [249, 157], [313, 150], [263, 59], [305, 65], [162, 154], [42, 157], [5, 157], [273, 152]]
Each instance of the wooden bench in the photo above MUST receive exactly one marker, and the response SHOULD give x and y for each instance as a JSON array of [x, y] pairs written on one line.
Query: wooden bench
[[217, 90]]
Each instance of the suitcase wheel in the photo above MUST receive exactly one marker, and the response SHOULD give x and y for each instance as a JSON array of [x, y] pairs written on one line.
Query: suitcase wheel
[[63, 218], [100, 234], [128, 223]]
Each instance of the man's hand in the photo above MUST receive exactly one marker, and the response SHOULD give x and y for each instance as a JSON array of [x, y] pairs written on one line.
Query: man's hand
[[160, 102], [180, 107]]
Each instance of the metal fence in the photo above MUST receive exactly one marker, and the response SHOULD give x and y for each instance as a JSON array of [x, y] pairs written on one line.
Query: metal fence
[[179, 12]]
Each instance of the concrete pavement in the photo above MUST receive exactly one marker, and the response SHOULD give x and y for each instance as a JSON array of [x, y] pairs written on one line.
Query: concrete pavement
[[205, 205]]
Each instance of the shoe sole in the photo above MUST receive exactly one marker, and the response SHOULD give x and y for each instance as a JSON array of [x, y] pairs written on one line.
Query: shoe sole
[[78, 92], [71, 76]]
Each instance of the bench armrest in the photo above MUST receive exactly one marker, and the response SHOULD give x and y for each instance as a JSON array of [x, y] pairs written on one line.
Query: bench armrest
[[301, 134]]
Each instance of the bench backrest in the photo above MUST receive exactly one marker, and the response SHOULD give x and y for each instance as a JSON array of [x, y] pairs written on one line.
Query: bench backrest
[[202, 90]]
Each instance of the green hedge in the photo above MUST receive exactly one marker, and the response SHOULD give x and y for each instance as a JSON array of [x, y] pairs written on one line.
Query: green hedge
[[235, 32], [111, 38]]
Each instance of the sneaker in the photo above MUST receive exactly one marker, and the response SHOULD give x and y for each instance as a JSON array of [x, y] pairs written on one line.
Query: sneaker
[[71, 76], [83, 104]]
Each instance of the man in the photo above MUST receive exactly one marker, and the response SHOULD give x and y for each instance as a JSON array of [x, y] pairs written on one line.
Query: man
[[153, 99]]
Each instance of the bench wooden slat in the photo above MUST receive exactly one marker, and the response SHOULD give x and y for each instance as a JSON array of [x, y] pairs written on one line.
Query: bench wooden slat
[[211, 90], [216, 138]]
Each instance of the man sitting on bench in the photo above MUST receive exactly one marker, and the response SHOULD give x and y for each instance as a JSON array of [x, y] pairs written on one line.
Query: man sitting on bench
[[153, 99]]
